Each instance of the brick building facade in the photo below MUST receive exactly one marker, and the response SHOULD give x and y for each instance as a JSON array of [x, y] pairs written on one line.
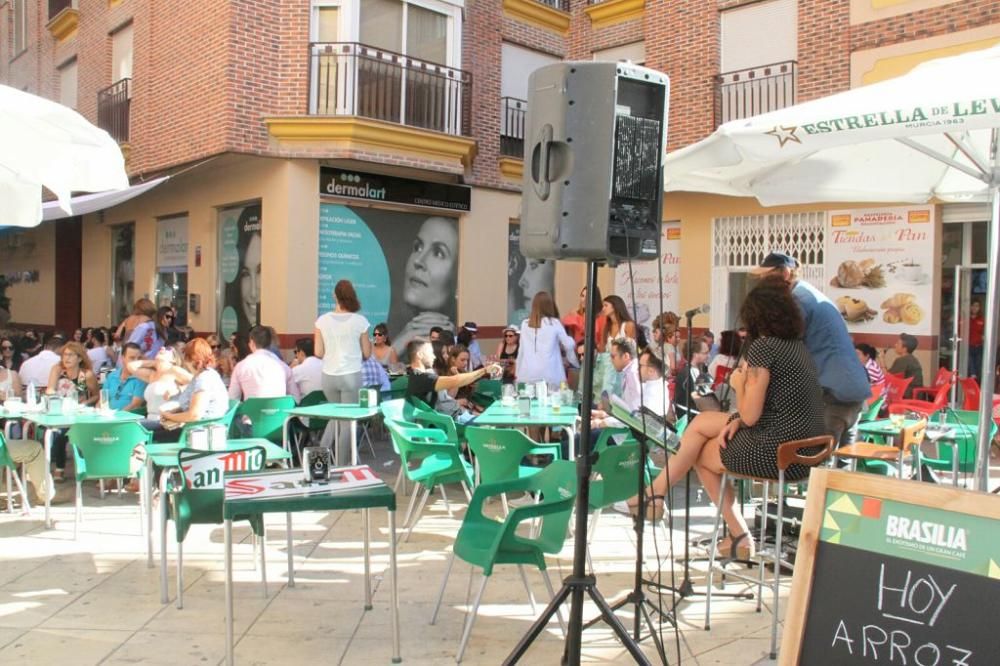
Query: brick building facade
[[237, 83]]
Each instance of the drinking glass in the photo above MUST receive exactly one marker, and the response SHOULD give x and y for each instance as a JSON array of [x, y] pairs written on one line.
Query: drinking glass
[[104, 403], [897, 420]]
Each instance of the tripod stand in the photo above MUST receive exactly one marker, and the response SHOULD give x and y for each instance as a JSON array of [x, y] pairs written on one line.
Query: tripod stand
[[579, 582]]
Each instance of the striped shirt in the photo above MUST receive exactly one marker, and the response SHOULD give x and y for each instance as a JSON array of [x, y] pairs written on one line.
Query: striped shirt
[[875, 374]]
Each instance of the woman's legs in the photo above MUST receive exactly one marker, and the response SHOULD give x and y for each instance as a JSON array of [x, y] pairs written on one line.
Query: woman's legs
[[699, 449], [342, 389]]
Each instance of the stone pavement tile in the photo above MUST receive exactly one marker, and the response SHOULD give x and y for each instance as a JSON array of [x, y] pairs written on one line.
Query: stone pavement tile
[[14, 567], [98, 609], [29, 606], [290, 615], [737, 653], [153, 648], [307, 648], [9, 634], [79, 647], [76, 572], [206, 614]]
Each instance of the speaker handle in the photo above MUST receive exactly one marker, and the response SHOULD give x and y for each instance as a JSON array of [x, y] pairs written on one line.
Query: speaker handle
[[543, 147]]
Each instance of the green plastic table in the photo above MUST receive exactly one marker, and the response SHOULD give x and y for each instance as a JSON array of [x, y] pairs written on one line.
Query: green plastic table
[[934, 433], [164, 454], [500, 415], [284, 491], [332, 411], [54, 422]]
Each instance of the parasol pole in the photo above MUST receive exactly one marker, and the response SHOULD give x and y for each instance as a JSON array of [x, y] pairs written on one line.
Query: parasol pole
[[988, 374]]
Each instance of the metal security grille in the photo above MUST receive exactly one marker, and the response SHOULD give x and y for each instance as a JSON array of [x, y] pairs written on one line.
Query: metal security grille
[[637, 144], [740, 243], [743, 242]]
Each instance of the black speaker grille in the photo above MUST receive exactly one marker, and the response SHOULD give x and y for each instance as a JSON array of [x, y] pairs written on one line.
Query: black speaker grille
[[636, 165]]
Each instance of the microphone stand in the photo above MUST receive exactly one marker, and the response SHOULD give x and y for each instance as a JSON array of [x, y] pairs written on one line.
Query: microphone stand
[[686, 589], [580, 582]]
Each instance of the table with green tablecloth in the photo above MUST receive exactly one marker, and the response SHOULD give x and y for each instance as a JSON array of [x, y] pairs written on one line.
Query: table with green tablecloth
[[53, 422], [285, 491], [333, 411], [500, 415]]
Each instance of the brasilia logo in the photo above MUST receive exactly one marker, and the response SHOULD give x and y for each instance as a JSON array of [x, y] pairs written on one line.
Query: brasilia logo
[[926, 532], [494, 446], [629, 462], [105, 438]]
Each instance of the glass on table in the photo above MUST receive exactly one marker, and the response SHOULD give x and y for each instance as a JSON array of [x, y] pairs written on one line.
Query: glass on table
[[897, 419], [104, 402], [508, 395]]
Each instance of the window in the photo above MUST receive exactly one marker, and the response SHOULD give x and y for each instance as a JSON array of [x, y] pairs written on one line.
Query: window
[[121, 53], [327, 24], [172, 265], [763, 33], [67, 84], [515, 66], [20, 26], [634, 52]]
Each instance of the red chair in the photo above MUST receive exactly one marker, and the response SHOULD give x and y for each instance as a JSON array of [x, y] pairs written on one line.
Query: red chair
[[924, 407], [944, 377], [970, 393], [877, 391], [895, 387], [721, 375]]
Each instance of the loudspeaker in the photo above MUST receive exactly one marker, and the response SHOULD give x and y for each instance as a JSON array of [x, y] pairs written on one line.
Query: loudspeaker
[[595, 137]]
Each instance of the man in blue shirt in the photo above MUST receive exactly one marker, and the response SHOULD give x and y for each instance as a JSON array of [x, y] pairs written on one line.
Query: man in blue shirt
[[125, 390], [843, 378]]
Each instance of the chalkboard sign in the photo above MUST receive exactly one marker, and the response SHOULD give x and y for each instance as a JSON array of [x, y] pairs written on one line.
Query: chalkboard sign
[[894, 572]]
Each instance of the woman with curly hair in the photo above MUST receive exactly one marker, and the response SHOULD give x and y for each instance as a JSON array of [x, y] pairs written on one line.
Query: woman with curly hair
[[779, 399]]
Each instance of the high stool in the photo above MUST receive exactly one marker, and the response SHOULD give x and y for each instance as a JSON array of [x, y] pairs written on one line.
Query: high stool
[[789, 453], [910, 437]]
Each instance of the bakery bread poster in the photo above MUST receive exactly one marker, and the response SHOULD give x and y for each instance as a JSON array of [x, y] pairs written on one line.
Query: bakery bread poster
[[880, 268]]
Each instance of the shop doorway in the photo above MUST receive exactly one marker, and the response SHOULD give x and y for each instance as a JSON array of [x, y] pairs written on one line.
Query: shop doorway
[[963, 282]]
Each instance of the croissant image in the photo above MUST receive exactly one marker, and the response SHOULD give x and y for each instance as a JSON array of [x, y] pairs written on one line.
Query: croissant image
[[911, 313], [897, 301]]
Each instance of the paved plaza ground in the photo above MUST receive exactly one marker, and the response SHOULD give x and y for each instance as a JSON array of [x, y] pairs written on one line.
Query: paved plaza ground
[[94, 601]]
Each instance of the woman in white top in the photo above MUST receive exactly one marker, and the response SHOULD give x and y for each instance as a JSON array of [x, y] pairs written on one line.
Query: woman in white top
[[164, 377], [341, 340], [730, 344], [543, 344]]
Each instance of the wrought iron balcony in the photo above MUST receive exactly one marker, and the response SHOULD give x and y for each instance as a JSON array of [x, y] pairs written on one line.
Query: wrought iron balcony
[[351, 79], [562, 5], [113, 109], [750, 92], [512, 112]]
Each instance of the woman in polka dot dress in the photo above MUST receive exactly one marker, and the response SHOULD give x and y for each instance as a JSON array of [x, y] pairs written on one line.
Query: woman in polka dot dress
[[779, 400]]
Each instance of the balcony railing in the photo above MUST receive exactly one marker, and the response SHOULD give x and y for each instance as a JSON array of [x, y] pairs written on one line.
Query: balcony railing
[[750, 92], [512, 112], [113, 109], [352, 79], [562, 5], [56, 6]]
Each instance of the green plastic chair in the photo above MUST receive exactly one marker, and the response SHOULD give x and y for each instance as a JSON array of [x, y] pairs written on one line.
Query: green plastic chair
[[500, 451], [487, 392], [399, 411], [425, 415], [870, 413], [397, 388], [428, 459], [484, 542], [226, 420], [267, 416], [195, 491], [104, 451], [10, 471]]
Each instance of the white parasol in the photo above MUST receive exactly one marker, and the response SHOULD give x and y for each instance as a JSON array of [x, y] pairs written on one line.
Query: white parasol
[[929, 134], [43, 143]]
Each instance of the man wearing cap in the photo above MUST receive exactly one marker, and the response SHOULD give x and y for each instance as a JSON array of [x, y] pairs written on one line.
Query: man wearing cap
[[843, 378], [475, 354]]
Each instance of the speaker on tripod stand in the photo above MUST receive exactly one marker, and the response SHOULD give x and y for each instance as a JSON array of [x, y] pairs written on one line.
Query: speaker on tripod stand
[[595, 138]]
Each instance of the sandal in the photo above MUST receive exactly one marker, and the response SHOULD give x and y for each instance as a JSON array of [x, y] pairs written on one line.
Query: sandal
[[740, 549], [654, 507]]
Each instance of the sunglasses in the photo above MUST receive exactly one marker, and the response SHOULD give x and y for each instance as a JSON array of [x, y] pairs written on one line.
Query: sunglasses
[[7, 348], [381, 335], [216, 346], [508, 335]]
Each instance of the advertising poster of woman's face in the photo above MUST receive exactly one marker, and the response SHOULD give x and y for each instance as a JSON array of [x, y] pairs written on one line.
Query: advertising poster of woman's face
[[403, 265], [240, 260], [525, 277]]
